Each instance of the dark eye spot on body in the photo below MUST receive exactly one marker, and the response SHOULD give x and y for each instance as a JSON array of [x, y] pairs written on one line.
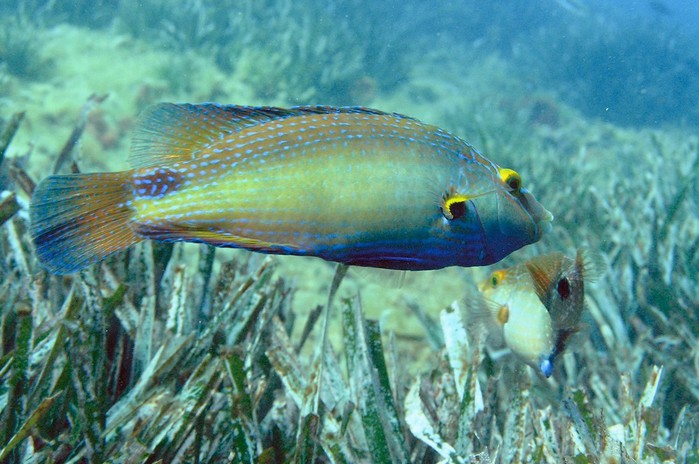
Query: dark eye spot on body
[[454, 206], [563, 288], [457, 209]]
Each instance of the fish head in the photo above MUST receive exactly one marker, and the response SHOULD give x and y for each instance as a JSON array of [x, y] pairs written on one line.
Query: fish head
[[504, 284], [510, 217]]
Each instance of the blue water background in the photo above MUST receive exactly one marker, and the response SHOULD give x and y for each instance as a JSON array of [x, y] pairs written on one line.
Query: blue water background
[[629, 62]]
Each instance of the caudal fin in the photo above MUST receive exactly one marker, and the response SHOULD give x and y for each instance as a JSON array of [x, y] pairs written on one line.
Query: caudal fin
[[80, 219]]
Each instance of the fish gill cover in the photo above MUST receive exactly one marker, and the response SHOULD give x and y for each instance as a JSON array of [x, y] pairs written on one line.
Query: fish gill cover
[[185, 354]]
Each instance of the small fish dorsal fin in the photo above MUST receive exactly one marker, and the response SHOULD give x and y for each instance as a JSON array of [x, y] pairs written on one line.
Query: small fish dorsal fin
[[171, 132], [544, 270]]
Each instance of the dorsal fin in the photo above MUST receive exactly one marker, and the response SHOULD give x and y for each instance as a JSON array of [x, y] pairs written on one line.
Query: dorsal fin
[[325, 109], [544, 270], [170, 132]]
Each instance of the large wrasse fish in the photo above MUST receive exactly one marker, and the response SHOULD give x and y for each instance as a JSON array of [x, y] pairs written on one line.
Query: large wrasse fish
[[535, 307], [351, 185]]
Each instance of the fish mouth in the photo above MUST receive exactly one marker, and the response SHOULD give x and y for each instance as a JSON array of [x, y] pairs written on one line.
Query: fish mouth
[[509, 222], [521, 218], [544, 225], [540, 216]]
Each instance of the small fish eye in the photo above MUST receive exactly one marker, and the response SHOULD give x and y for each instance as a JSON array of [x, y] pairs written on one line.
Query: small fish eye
[[563, 288], [495, 278]]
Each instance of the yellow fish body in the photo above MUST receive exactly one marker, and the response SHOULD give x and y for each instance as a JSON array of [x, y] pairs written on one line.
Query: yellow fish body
[[535, 306], [350, 185], [518, 314]]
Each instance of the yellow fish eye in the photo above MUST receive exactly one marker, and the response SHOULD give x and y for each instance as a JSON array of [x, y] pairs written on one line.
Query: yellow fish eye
[[512, 179], [496, 278]]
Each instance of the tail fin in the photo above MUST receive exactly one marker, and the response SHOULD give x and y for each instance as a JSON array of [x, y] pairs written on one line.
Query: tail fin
[[80, 219]]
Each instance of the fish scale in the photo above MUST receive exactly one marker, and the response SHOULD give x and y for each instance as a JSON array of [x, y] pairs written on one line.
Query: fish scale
[[273, 195], [352, 185]]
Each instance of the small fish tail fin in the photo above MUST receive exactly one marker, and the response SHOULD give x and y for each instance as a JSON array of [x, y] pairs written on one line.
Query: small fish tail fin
[[80, 219], [590, 263]]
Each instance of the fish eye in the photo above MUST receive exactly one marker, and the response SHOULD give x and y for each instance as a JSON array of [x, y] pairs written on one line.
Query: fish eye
[[563, 288], [496, 278], [512, 179]]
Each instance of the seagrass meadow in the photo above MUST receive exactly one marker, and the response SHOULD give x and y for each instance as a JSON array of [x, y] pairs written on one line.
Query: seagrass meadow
[[187, 353]]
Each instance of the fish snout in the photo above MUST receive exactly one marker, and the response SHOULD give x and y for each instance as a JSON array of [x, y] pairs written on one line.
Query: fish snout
[[540, 216], [511, 222]]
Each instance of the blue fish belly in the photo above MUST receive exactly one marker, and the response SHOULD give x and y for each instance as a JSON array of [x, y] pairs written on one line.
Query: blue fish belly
[[428, 254]]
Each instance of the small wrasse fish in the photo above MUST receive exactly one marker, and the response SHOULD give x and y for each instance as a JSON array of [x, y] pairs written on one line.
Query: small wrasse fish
[[350, 185], [535, 307]]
